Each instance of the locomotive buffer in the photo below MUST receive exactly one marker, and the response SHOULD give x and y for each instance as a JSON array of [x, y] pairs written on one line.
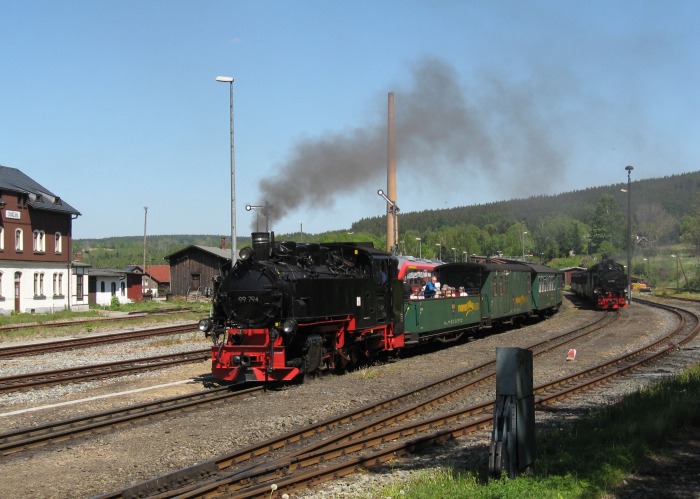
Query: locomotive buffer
[[513, 437]]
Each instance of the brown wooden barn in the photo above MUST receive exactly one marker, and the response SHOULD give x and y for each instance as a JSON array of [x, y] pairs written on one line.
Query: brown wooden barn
[[193, 268]]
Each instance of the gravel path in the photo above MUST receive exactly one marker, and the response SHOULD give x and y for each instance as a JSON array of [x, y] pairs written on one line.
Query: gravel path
[[92, 465]]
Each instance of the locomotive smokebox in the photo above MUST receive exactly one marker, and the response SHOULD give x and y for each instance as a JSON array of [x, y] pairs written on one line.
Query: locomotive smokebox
[[261, 245]]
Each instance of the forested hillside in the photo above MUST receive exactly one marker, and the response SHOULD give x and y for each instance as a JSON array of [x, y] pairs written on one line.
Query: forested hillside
[[664, 211]]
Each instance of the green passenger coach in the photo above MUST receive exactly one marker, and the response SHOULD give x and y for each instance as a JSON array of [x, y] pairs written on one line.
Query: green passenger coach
[[482, 294]]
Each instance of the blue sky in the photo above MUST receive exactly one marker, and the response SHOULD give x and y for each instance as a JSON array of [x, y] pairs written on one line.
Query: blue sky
[[113, 105]]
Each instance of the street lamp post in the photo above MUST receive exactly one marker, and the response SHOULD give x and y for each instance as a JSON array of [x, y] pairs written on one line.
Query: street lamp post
[[439, 245], [523, 243], [464, 256], [145, 220], [229, 80], [301, 231], [454, 254], [264, 209], [629, 169], [395, 212], [420, 247]]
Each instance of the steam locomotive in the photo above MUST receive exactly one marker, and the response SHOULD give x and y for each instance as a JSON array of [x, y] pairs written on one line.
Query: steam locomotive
[[285, 310], [604, 284]]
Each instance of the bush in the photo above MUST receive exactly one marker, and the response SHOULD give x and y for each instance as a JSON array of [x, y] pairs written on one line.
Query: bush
[[114, 305]]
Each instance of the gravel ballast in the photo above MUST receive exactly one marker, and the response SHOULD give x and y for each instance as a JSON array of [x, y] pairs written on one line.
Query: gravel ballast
[[96, 464]]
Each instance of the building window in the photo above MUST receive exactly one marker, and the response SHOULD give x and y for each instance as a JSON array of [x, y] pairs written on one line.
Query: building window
[[2, 238], [39, 241], [58, 245], [113, 288], [123, 289], [58, 284], [79, 288], [0, 285], [19, 245], [102, 286], [38, 284]]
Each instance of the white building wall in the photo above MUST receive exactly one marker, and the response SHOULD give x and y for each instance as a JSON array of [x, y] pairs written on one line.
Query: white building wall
[[104, 298], [42, 300]]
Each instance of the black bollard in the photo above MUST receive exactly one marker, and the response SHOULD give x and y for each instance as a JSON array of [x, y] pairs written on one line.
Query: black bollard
[[513, 437]]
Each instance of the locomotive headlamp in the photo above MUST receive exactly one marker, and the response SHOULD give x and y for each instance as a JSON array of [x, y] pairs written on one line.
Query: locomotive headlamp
[[246, 253], [205, 325], [289, 326]]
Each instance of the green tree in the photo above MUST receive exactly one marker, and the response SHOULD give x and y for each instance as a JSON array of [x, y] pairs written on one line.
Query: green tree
[[608, 226], [690, 230]]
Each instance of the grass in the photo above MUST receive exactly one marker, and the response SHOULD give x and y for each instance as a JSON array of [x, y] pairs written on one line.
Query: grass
[[194, 311], [587, 459]]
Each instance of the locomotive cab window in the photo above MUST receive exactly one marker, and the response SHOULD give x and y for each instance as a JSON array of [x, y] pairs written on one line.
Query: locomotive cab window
[[380, 272]]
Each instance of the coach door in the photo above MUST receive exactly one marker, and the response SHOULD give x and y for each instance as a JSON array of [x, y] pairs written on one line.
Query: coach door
[[18, 276]]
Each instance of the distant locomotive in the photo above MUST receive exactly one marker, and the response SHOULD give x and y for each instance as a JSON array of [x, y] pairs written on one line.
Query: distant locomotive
[[604, 284], [286, 310]]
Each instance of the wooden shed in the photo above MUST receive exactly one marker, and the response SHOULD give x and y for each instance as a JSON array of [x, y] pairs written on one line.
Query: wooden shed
[[569, 271], [193, 268]]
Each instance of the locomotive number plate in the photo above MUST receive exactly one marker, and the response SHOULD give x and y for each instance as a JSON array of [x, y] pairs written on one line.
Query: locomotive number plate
[[248, 299]]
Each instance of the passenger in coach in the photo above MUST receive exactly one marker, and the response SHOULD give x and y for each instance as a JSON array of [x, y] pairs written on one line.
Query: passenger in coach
[[430, 289]]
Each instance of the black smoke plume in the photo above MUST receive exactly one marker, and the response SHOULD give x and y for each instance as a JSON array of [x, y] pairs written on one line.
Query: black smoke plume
[[441, 131]]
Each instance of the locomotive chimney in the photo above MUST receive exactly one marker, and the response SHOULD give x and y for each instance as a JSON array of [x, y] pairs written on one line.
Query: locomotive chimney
[[261, 245], [392, 224]]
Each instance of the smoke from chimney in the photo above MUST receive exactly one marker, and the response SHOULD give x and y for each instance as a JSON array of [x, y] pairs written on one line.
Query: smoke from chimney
[[439, 133]]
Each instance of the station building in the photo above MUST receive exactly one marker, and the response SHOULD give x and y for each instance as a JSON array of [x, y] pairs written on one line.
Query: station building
[[37, 274]]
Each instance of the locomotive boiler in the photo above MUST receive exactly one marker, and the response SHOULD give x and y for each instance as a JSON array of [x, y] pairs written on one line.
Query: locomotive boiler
[[285, 310]]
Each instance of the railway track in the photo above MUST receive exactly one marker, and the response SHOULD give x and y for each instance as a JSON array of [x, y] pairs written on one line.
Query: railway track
[[73, 343], [18, 440], [319, 453], [22, 439], [98, 371], [319, 442]]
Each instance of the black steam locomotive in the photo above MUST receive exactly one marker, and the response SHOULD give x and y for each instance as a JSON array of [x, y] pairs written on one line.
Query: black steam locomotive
[[287, 309], [604, 284]]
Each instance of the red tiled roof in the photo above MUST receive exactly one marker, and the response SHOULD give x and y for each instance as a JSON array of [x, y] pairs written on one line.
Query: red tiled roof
[[159, 273]]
